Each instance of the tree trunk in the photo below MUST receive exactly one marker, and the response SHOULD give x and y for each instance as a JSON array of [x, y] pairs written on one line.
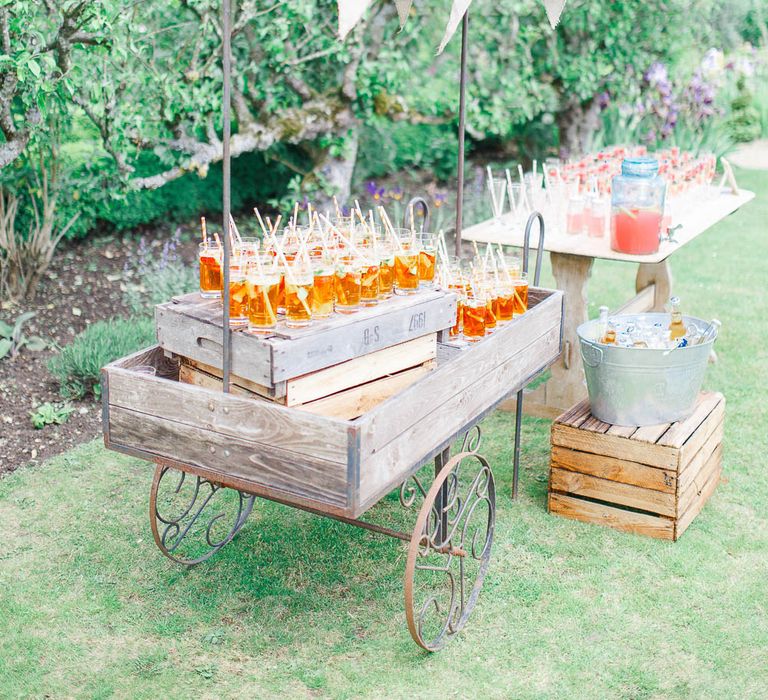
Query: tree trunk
[[334, 172], [578, 123]]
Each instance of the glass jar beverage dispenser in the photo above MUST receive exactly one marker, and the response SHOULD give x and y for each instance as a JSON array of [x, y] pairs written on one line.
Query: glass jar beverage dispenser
[[637, 206]]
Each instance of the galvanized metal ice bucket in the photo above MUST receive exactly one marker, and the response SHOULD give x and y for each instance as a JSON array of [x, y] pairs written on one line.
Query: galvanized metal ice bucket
[[642, 386]]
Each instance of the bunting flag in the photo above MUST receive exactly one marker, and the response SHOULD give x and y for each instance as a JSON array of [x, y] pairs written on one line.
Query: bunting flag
[[403, 9], [554, 9], [351, 12], [458, 10]]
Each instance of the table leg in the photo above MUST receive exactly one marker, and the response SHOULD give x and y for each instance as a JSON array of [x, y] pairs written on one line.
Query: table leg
[[659, 275], [566, 385]]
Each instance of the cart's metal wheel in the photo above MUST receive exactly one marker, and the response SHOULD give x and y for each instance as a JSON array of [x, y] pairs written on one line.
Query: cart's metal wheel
[[449, 551], [192, 518]]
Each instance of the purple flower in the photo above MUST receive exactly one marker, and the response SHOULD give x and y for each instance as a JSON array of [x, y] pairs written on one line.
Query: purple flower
[[656, 74], [438, 199], [603, 100], [370, 188], [396, 193]]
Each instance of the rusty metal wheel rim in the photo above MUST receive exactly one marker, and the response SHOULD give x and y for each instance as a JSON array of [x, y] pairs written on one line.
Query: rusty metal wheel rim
[[483, 489], [169, 533]]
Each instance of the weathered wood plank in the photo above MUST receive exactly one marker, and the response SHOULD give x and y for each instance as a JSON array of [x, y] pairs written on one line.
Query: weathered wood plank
[[680, 431], [617, 518], [361, 335], [650, 433], [614, 469], [308, 477], [639, 303], [276, 394], [575, 415], [471, 365], [625, 431], [594, 425], [695, 508], [694, 442], [570, 482], [259, 421], [361, 370], [351, 403], [662, 456], [695, 465], [384, 466], [696, 487]]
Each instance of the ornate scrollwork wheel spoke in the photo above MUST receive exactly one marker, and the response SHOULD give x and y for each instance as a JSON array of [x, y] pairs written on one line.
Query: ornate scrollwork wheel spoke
[[449, 550], [194, 519]]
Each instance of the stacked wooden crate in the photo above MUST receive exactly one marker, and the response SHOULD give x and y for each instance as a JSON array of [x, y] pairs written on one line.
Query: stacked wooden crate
[[651, 480], [339, 367]]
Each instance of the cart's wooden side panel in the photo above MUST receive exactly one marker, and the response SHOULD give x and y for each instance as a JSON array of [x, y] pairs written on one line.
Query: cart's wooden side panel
[[294, 456], [417, 420], [285, 471]]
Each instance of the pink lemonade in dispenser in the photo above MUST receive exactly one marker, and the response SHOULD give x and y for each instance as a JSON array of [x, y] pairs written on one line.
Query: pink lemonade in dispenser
[[635, 231]]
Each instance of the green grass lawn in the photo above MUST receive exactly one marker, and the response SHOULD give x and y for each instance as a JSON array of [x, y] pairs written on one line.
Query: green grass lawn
[[299, 606]]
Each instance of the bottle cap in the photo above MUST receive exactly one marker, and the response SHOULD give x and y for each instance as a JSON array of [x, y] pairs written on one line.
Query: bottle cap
[[642, 166]]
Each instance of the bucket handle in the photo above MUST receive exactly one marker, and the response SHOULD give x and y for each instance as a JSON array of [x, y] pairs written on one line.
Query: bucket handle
[[592, 355]]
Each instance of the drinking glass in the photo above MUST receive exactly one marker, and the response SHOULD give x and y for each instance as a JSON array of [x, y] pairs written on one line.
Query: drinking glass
[[238, 293], [263, 284], [348, 283], [427, 243], [386, 255], [406, 263], [209, 257], [299, 281], [473, 318], [324, 286], [521, 294]]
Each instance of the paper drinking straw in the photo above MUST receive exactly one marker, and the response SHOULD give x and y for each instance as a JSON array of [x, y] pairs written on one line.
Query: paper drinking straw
[[512, 201], [336, 204], [523, 194], [261, 221], [205, 230], [292, 279], [489, 180], [351, 245], [390, 229]]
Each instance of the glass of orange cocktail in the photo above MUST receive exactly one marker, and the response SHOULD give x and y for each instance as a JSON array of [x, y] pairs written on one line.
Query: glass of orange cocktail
[[238, 292], [263, 283], [348, 283], [521, 293], [427, 257], [504, 300], [299, 284], [406, 262], [386, 255], [209, 257], [473, 317], [324, 285], [369, 275]]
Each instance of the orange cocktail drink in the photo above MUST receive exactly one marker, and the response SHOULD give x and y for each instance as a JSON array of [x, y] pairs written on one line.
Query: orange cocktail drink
[[386, 257], [427, 258], [474, 315], [348, 284], [324, 286], [238, 294], [299, 284], [521, 294], [369, 283], [209, 257], [505, 302], [263, 283]]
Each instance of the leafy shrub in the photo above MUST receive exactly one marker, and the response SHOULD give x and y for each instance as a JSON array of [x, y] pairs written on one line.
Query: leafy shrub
[[49, 413], [160, 276], [744, 122], [12, 338], [76, 368], [387, 147]]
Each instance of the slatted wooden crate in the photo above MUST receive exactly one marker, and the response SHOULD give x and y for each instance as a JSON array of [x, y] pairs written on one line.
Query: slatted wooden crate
[[652, 480], [191, 327], [346, 390], [337, 465]]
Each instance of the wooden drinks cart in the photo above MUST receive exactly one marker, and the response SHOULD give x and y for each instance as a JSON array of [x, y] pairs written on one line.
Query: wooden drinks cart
[[205, 442]]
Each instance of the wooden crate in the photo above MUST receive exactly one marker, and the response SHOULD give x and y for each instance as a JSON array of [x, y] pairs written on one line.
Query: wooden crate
[[339, 466], [346, 390], [191, 327], [652, 480]]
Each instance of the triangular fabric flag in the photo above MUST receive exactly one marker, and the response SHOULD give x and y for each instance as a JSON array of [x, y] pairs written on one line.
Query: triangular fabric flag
[[403, 8], [350, 12], [554, 8], [458, 10]]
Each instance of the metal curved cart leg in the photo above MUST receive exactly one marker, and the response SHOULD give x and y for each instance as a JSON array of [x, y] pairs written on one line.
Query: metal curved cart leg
[[190, 523], [450, 547]]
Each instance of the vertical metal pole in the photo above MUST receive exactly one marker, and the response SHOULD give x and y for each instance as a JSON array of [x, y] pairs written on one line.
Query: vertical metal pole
[[440, 461], [462, 129], [226, 32]]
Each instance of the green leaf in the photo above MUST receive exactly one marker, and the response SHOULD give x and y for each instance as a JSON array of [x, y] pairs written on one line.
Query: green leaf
[[5, 347], [35, 343], [6, 330], [34, 68]]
